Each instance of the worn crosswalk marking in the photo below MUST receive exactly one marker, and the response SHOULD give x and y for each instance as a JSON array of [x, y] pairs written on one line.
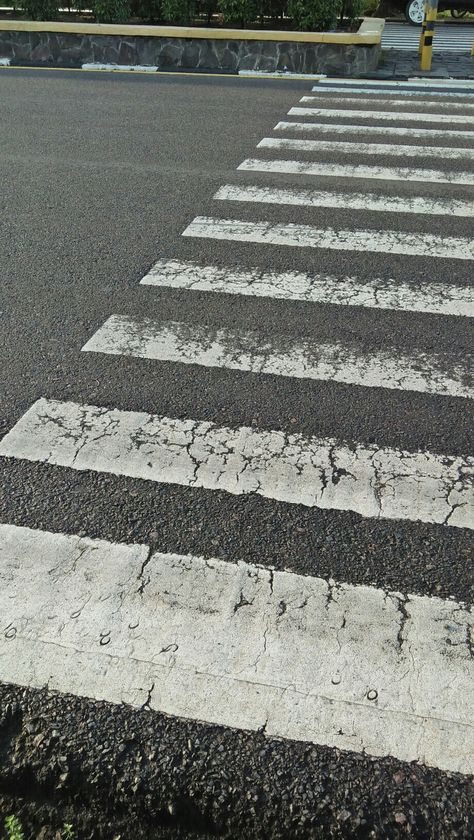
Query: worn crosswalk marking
[[352, 200], [280, 355], [317, 472], [239, 645], [378, 173], [388, 116], [360, 100], [436, 298], [305, 236], [350, 148], [383, 130]]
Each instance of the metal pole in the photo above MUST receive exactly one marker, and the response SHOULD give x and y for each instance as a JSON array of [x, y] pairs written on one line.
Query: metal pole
[[426, 41]]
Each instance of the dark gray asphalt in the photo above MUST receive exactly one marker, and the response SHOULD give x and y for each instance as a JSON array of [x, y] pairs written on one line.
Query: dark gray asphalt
[[99, 176]]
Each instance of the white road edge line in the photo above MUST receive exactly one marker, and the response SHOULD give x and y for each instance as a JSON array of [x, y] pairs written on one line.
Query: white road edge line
[[306, 236], [436, 298], [378, 173], [345, 201], [239, 645], [280, 355], [326, 473]]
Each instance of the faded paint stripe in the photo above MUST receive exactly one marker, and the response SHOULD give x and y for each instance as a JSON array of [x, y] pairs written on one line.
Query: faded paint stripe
[[384, 93], [385, 130], [392, 149], [446, 106], [239, 645], [280, 355], [346, 201], [305, 236], [317, 472], [436, 298], [389, 116], [379, 173]]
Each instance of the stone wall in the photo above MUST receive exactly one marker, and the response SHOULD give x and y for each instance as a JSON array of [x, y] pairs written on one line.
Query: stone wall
[[68, 49]]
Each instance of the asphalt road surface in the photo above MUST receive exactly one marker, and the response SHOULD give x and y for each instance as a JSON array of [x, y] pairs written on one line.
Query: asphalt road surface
[[237, 456]]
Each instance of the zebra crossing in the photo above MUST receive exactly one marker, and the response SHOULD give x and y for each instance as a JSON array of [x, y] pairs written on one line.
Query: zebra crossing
[[456, 38], [241, 644]]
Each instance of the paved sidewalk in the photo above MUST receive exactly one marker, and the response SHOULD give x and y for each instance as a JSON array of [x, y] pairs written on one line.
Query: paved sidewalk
[[401, 64]]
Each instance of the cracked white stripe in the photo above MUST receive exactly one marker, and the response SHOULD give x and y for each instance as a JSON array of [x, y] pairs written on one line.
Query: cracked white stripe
[[385, 130], [317, 472], [337, 170], [446, 106], [437, 298], [352, 667], [388, 116], [351, 201], [342, 147], [306, 236], [282, 355]]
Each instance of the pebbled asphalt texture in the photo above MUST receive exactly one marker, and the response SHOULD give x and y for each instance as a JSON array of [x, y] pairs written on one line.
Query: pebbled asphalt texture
[[99, 176]]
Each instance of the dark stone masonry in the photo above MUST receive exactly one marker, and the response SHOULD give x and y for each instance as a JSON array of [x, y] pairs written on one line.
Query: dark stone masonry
[[72, 50]]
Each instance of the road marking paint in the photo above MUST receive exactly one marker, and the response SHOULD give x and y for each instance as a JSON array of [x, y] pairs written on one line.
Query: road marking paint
[[306, 236], [280, 355], [393, 116], [338, 147], [337, 170], [385, 130], [239, 645], [436, 298], [451, 106], [383, 92], [412, 82], [377, 482], [344, 201], [121, 68]]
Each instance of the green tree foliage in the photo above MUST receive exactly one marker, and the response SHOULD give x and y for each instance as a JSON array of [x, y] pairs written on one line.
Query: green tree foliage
[[180, 12], [239, 11], [39, 9], [111, 11], [314, 15]]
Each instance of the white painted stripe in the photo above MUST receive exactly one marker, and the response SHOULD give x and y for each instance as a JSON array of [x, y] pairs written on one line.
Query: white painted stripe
[[315, 472], [239, 645], [385, 130], [338, 147], [450, 106], [305, 236], [117, 68], [390, 116], [437, 298], [280, 355], [382, 92], [280, 74], [413, 82], [380, 173], [345, 201]]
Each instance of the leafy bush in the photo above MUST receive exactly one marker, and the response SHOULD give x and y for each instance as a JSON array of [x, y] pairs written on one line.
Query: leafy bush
[[147, 9], [39, 9], [314, 14], [13, 828], [352, 10], [111, 11], [239, 11], [370, 7], [180, 12]]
